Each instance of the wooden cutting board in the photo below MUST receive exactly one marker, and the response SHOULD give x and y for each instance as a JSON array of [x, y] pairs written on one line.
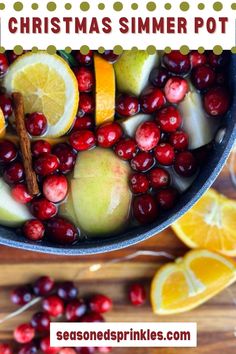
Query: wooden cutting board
[[216, 319]]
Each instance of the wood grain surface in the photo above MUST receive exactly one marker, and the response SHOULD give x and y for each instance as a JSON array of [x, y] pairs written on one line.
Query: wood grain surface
[[216, 319]]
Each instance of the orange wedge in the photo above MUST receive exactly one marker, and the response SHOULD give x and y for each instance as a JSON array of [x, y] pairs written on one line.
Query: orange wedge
[[105, 90], [210, 224], [2, 125], [190, 281]]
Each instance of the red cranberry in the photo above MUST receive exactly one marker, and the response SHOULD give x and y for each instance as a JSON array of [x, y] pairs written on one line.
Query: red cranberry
[[85, 350], [169, 119], [203, 77], [5, 349], [110, 56], [12, 56], [42, 209], [20, 193], [165, 154], [177, 63], [218, 61], [21, 295], [85, 79], [92, 317], [3, 65], [55, 188], [8, 152], [185, 164], [41, 322], [82, 140], [152, 99], [43, 286], [147, 136], [145, 209], [29, 348], [137, 294], [217, 101], [139, 183], [142, 162], [126, 148], [197, 58], [166, 198], [34, 230], [75, 309], [40, 147], [179, 140], [109, 134], [24, 333], [159, 77], [104, 349], [84, 59], [126, 105], [6, 105], [45, 346], [86, 103], [66, 156], [14, 173], [83, 123], [100, 303], [67, 291], [159, 178], [36, 124], [176, 89], [67, 351], [53, 306], [61, 231], [46, 164]]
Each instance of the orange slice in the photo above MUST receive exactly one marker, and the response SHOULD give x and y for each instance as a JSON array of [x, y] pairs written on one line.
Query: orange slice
[[105, 90], [210, 224], [190, 281], [2, 125]]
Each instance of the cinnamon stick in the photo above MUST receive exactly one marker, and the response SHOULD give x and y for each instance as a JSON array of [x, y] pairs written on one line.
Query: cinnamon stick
[[24, 140]]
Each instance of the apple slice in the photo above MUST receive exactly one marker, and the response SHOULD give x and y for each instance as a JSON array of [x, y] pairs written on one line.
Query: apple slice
[[130, 125]]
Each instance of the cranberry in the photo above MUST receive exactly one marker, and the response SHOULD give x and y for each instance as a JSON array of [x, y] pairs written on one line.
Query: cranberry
[[165, 154], [66, 156], [110, 56], [137, 294], [34, 230], [152, 99], [45, 346], [179, 140], [67, 351], [29, 348], [177, 63], [92, 317], [109, 134], [218, 61], [176, 89], [43, 286], [100, 303], [159, 77], [142, 162], [21, 295], [36, 124], [55, 188], [217, 101], [12, 56], [14, 173], [126, 148], [82, 140], [67, 291], [40, 147], [159, 178], [166, 198], [20, 193], [197, 58], [104, 349], [169, 119], [147, 136], [42, 209], [139, 183], [185, 164], [85, 79], [24, 333], [3, 65], [8, 152], [5, 349], [6, 105], [83, 123], [85, 350], [46, 164], [86, 104], [126, 105], [203, 77], [41, 322], [75, 309], [61, 231], [53, 306], [84, 59], [145, 209]]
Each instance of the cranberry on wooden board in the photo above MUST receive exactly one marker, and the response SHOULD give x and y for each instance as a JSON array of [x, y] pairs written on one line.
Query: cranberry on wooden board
[[40, 147], [127, 105], [109, 134], [75, 309], [61, 231], [8, 151], [24, 333], [138, 183], [126, 148], [55, 188], [147, 136], [142, 162], [46, 164], [137, 294], [217, 101], [159, 178], [6, 105], [34, 230], [41, 322], [166, 198], [85, 78], [197, 58], [42, 209], [53, 306], [22, 295], [145, 209], [159, 77], [100, 303], [86, 104], [177, 63], [165, 154], [179, 140], [152, 99], [176, 89], [82, 140], [67, 291], [20, 193], [83, 123], [45, 346], [5, 349], [66, 156], [185, 164], [43, 286], [36, 124], [84, 59], [104, 349], [169, 119], [203, 77], [14, 173]]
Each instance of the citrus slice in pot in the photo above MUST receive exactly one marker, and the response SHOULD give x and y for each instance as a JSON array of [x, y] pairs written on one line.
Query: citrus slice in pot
[[2, 125], [210, 224], [190, 281], [49, 86]]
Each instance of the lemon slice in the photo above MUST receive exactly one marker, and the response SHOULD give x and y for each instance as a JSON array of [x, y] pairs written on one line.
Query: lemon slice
[[49, 86], [2, 125]]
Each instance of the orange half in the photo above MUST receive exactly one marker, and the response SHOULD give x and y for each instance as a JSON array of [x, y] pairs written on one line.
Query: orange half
[[2, 125]]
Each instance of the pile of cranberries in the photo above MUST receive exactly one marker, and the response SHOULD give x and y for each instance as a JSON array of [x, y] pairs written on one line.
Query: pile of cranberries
[[60, 302]]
